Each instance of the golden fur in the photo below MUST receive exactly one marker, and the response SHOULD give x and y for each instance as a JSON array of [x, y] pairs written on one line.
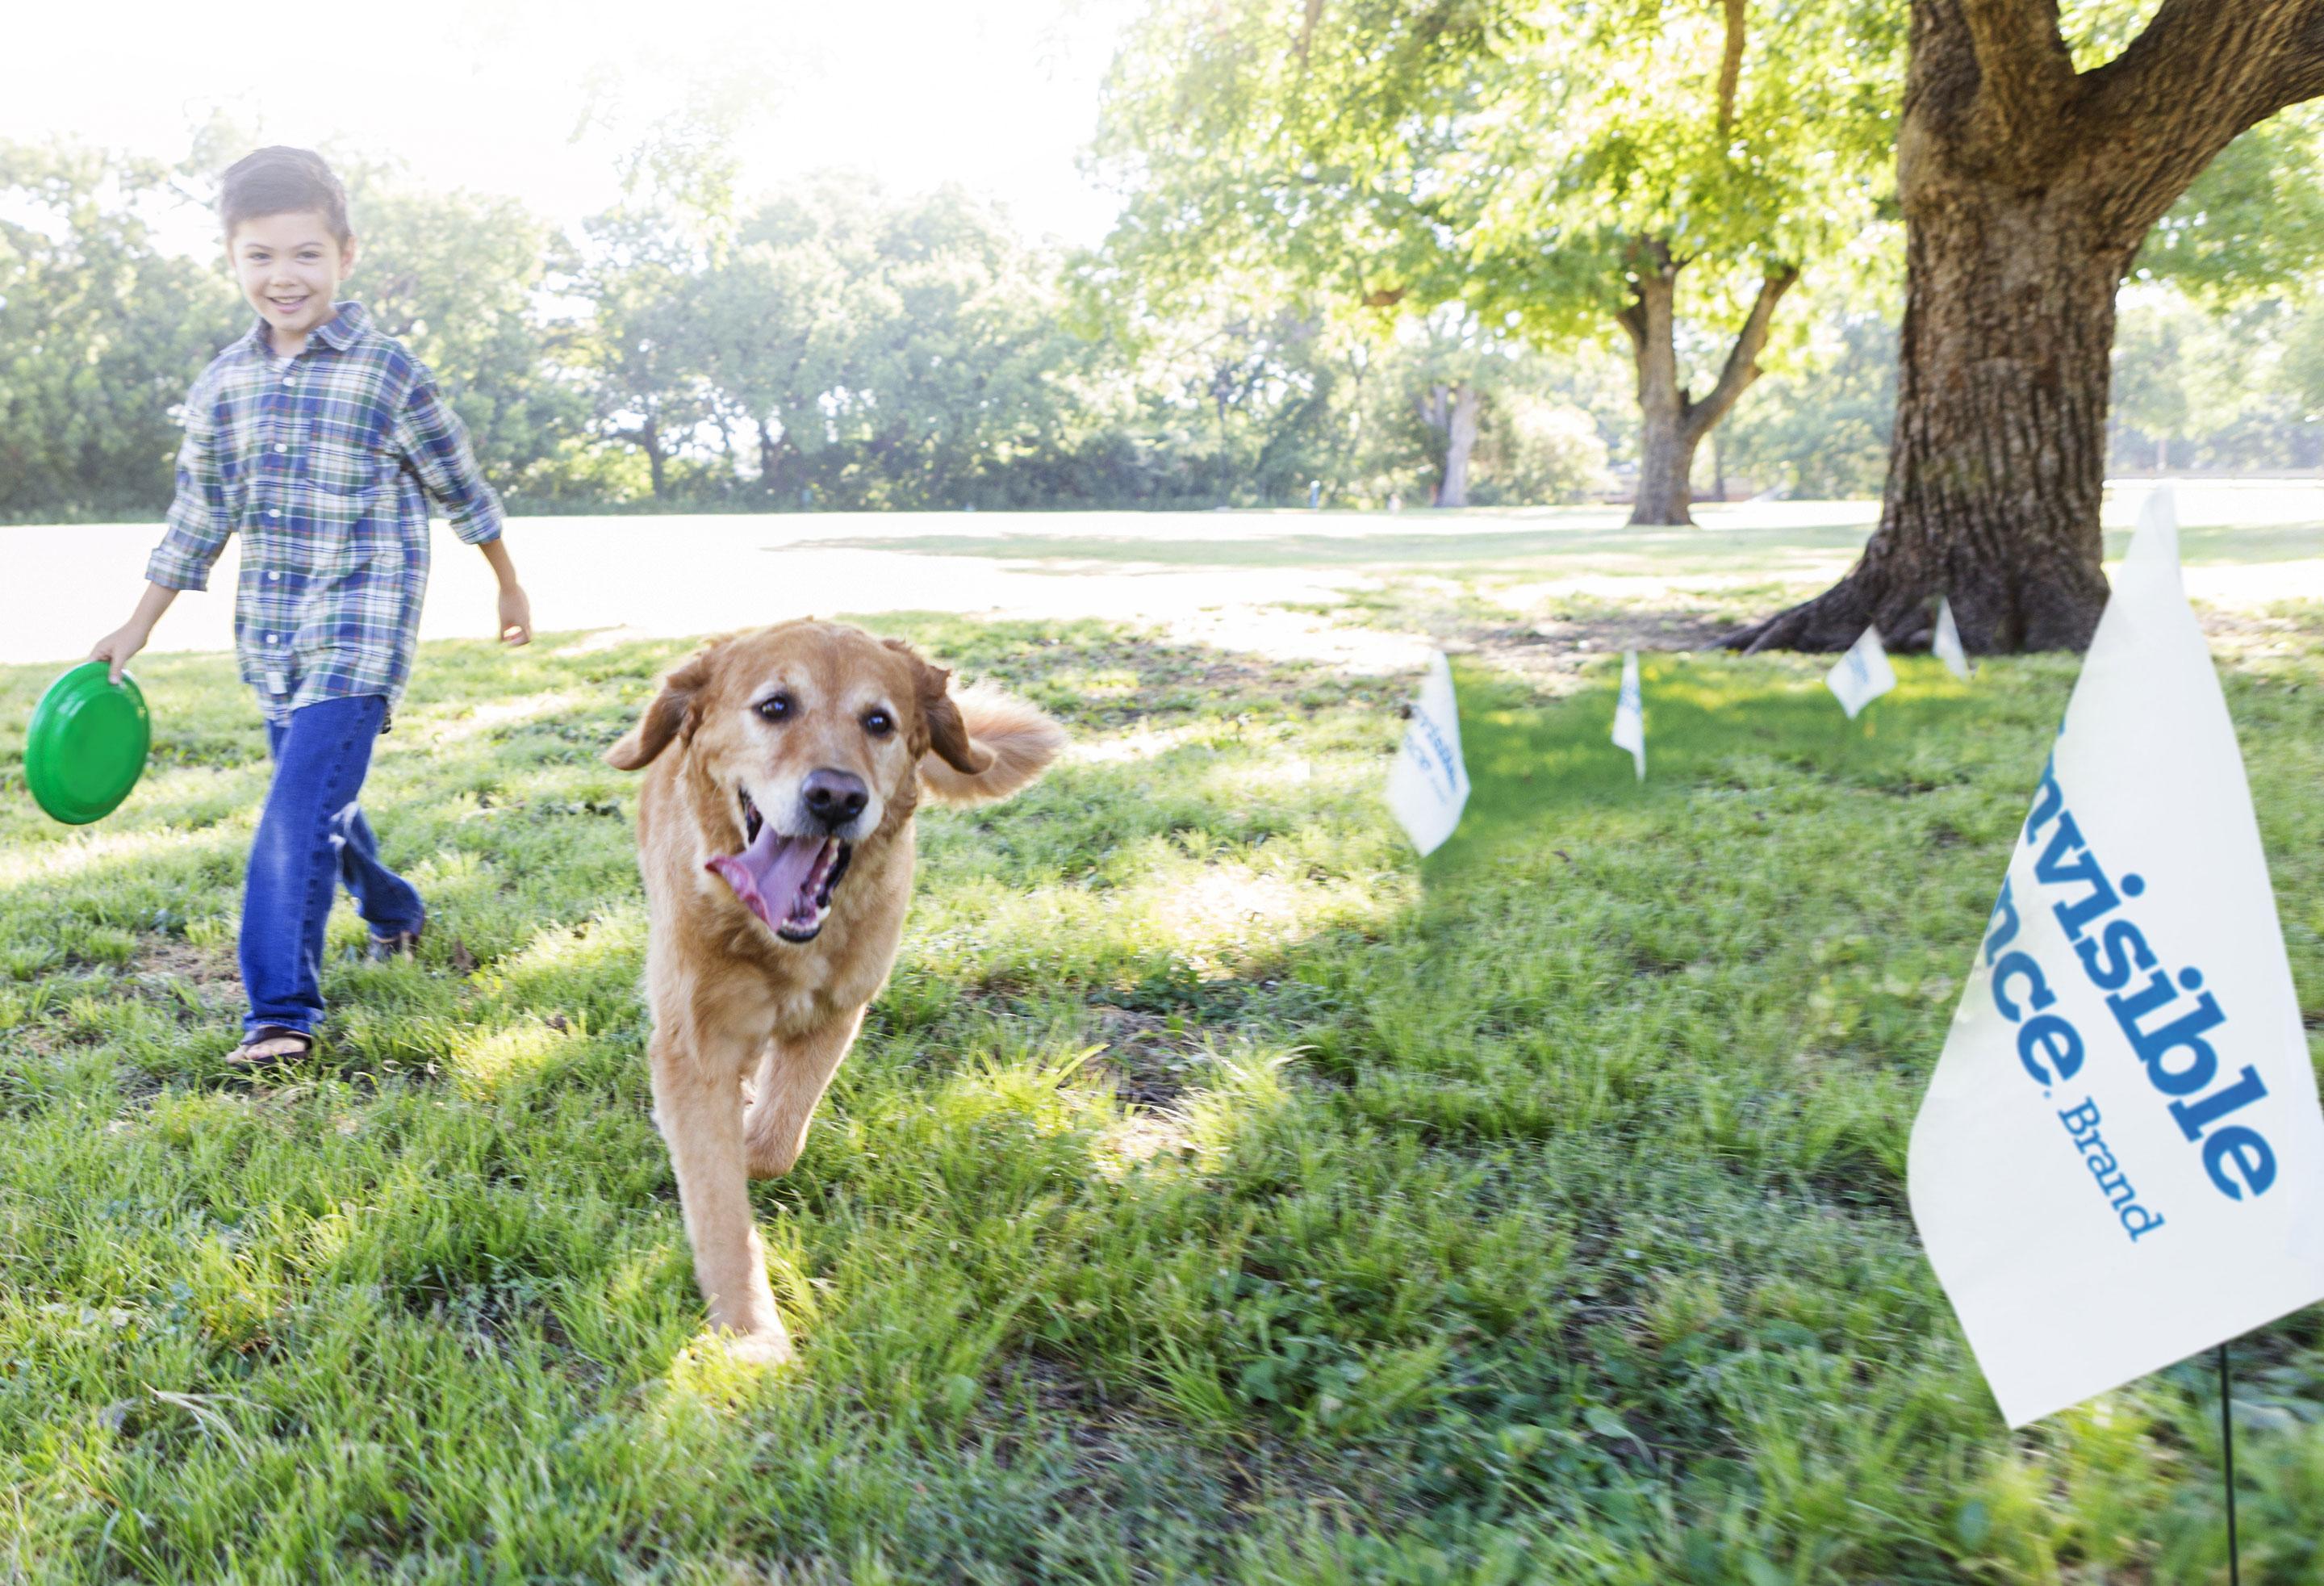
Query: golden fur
[[749, 1027]]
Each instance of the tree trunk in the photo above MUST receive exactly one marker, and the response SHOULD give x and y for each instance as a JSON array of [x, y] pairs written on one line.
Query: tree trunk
[[772, 450], [1673, 423], [1666, 463], [1998, 456], [650, 442], [2027, 187], [1666, 450], [1453, 411], [1459, 440]]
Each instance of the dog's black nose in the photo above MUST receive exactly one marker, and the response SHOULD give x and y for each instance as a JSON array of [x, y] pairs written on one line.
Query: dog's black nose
[[832, 798]]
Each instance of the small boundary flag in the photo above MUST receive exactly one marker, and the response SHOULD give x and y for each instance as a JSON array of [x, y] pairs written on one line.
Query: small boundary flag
[[1947, 644], [1862, 675], [1428, 785], [1630, 714]]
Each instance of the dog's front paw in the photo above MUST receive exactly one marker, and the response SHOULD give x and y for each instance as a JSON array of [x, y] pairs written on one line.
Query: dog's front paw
[[766, 1349]]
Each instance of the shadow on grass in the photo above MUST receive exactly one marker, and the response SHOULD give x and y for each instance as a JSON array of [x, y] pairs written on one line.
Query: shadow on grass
[[1710, 719], [1758, 548], [1524, 1220]]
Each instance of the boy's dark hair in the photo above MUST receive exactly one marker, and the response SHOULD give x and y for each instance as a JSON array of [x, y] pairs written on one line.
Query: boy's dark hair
[[282, 180]]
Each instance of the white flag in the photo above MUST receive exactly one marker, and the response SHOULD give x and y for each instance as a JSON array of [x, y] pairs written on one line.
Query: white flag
[[1947, 644], [2120, 1160], [2160, 509], [1863, 675], [1630, 714], [1428, 786]]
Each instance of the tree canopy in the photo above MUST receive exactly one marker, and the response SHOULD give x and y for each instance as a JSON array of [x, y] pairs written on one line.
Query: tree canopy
[[1549, 169]]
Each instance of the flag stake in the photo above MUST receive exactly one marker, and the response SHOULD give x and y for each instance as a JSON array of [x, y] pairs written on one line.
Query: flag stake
[[2228, 1442]]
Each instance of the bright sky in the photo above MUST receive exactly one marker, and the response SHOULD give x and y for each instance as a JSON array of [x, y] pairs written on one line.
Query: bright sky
[[538, 98]]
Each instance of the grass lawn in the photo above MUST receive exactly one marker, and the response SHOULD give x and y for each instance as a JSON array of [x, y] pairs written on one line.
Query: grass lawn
[[1216, 1193]]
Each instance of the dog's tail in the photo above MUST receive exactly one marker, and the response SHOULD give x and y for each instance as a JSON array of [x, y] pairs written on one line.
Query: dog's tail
[[1021, 739]]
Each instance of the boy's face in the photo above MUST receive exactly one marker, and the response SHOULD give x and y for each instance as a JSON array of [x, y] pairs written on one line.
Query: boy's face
[[290, 267]]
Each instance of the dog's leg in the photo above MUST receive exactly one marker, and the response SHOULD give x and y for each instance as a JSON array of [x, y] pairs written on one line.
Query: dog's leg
[[792, 1076], [701, 1118]]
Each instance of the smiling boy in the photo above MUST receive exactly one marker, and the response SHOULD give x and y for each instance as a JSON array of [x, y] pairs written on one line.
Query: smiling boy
[[321, 441]]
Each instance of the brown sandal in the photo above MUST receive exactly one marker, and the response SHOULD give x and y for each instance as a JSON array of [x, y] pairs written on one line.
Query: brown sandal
[[241, 1057], [394, 944]]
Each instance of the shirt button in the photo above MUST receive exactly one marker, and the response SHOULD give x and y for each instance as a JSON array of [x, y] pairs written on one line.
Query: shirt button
[[289, 380], [272, 514], [274, 577], [280, 447], [269, 639]]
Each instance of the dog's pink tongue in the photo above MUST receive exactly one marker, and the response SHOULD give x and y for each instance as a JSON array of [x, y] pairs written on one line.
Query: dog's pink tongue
[[767, 874]]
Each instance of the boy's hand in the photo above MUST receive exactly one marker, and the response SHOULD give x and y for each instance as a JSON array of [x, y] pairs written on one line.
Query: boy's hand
[[516, 616], [118, 646]]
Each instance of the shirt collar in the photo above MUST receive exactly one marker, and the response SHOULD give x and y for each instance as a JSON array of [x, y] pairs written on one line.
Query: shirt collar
[[347, 327]]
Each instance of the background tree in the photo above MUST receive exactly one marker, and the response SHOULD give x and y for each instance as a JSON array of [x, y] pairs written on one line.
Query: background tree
[[461, 279], [644, 356], [101, 332], [2029, 181], [1550, 168], [1819, 427], [953, 387], [782, 316]]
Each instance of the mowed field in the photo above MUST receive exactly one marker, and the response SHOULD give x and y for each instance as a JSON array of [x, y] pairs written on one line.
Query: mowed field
[[1217, 1193]]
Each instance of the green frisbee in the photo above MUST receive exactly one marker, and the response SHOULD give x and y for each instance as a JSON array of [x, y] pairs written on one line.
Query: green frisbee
[[86, 745]]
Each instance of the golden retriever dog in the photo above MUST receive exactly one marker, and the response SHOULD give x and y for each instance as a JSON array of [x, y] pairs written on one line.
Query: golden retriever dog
[[775, 833]]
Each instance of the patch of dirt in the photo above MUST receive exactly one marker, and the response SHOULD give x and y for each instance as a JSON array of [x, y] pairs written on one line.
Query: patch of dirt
[[1553, 653], [205, 969], [1149, 1062], [2243, 637]]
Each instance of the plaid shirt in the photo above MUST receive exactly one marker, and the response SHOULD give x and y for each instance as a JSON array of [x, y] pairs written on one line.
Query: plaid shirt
[[321, 461]]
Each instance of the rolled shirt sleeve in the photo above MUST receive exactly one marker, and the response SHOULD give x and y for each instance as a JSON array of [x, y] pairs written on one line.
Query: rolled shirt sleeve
[[434, 443], [199, 517]]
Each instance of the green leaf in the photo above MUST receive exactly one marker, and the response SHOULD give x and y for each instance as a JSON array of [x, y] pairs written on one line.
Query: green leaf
[[1605, 1422]]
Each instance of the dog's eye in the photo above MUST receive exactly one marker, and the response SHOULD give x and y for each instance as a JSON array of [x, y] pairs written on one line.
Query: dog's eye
[[775, 707], [878, 722]]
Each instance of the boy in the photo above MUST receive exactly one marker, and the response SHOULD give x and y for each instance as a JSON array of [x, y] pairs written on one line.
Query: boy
[[315, 436]]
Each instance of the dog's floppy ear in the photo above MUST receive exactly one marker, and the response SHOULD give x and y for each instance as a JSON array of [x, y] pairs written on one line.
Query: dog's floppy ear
[[948, 738], [672, 715], [980, 744]]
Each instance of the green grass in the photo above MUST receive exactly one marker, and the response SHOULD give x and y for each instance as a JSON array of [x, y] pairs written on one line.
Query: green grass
[[1215, 1192]]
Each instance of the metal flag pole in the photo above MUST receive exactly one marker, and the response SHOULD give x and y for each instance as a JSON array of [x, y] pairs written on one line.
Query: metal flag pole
[[2228, 1445]]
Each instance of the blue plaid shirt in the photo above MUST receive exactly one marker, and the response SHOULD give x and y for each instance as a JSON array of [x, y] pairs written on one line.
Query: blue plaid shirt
[[324, 462]]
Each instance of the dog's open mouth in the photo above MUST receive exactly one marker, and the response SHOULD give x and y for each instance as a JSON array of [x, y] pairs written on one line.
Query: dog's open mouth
[[787, 881]]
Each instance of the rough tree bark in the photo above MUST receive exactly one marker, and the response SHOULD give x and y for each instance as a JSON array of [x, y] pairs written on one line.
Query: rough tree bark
[[648, 439], [1673, 423], [2027, 189], [773, 451], [1452, 412]]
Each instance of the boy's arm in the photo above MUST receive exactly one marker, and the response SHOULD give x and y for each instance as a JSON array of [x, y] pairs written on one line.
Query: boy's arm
[[130, 637], [516, 609], [199, 521], [200, 518], [431, 440]]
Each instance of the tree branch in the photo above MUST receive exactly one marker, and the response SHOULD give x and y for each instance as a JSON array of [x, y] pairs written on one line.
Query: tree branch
[[2025, 72], [2200, 73], [1742, 366], [1632, 317], [2300, 73], [1731, 66]]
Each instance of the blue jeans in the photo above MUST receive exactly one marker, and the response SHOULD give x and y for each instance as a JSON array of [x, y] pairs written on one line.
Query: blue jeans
[[312, 836]]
